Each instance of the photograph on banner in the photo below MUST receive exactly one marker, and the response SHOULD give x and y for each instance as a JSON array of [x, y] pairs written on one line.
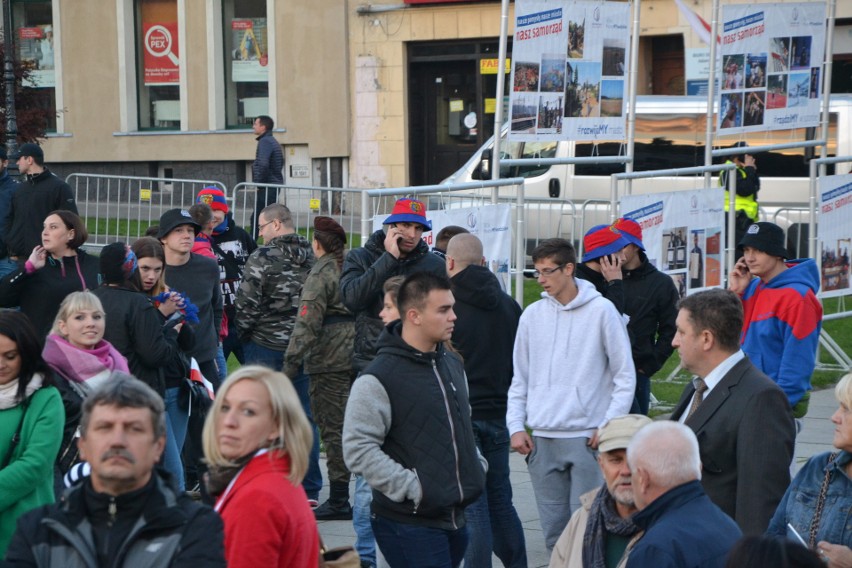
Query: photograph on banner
[[569, 70], [835, 233], [491, 223], [771, 59], [683, 234], [250, 56]]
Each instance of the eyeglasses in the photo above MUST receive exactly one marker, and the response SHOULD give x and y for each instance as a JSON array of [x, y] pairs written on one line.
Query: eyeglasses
[[548, 271], [261, 227]]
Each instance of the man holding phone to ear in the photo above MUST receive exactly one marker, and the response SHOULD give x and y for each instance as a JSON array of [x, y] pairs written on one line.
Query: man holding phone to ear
[[397, 249]]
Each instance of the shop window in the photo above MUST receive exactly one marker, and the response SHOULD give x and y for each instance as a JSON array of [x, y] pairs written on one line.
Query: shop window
[[33, 23], [158, 64], [246, 61]]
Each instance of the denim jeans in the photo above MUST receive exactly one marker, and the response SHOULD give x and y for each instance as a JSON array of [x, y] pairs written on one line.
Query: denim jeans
[[175, 435], [259, 355], [492, 520], [642, 400], [365, 542], [7, 266], [416, 546], [221, 365]]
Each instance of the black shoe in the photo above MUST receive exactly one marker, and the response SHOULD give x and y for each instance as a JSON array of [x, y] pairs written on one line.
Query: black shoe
[[331, 511]]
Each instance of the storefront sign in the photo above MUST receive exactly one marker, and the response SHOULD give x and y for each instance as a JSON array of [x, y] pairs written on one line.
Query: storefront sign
[[160, 54]]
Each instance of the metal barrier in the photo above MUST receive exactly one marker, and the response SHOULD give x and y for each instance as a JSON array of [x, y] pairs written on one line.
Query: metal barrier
[[117, 208], [304, 203]]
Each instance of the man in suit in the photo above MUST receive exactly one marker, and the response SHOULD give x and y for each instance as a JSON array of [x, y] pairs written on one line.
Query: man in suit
[[742, 419]]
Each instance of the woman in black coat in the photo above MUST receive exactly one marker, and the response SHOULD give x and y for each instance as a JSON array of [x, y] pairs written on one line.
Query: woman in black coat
[[54, 269]]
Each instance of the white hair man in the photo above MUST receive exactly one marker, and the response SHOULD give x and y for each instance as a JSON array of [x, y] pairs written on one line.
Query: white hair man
[[682, 526], [601, 530]]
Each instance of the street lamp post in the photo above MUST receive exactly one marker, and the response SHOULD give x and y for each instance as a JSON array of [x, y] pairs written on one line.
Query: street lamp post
[[9, 77]]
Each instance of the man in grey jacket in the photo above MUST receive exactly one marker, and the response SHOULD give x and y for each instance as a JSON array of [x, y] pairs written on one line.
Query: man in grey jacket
[[408, 431]]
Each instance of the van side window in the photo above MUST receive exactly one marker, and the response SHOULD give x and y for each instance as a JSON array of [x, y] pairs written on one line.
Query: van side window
[[528, 150]]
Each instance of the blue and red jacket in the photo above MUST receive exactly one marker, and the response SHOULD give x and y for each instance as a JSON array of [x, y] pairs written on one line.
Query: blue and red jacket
[[783, 319]]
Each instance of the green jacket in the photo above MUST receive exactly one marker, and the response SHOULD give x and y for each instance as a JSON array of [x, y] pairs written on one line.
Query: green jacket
[[27, 481], [324, 335]]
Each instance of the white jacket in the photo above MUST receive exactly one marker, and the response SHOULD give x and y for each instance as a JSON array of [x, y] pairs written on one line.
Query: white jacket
[[573, 366]]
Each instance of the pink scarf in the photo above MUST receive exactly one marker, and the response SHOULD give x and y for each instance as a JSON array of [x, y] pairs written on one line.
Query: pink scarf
[[81, 365]]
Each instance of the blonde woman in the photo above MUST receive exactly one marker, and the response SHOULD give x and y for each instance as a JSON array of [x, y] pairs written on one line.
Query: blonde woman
[[256, 441]]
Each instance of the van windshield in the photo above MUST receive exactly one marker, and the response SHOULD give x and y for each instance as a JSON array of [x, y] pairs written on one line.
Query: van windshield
[[532, 150]]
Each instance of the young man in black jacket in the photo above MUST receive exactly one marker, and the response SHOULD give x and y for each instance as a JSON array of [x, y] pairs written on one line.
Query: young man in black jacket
[[408, 431], [650, 299], [126, 513], [485, 337]]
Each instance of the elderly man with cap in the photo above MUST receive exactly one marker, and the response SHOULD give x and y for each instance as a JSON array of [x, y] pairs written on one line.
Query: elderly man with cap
[[602, 259], [40, 194], [650, 300], [600, 531], [783, 316], [397, 249], [232, 246], [8, 187]]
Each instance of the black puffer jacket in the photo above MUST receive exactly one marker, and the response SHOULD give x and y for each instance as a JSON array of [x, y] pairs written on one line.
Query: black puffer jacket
[[435, 436], [173, 530], [36, 197], [485, 336], [134, 327], [364, 273]]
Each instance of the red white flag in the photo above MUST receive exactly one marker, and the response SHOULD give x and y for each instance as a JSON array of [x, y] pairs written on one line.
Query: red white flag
[[699, 24]]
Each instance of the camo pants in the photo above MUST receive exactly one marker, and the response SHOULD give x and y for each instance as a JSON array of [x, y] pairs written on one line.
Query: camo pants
[[329, 393]]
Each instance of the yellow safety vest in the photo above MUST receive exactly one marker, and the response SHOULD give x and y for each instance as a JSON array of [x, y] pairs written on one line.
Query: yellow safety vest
[[746, 204]]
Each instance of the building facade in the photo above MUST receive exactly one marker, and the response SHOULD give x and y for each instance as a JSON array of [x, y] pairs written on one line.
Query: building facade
[[362, 94]]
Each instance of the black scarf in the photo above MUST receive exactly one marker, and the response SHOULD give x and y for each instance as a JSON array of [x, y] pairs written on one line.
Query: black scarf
[[603, 519], [218, 478]]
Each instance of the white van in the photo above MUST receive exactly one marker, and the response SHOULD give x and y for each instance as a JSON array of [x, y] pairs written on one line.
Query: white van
[[670, 133]]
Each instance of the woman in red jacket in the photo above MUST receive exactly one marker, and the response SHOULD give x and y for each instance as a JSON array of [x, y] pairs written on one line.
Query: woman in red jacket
[[257, 440]]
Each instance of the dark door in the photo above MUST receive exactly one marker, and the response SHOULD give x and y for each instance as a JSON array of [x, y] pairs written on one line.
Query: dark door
[[444, 120]]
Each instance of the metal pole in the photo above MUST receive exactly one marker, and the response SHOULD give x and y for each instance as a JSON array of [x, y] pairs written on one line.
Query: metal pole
[[498, 110], [9, 66], [826, 78], [711, 93], [813, 209], [631, 105], [520, 246], [732, 220]]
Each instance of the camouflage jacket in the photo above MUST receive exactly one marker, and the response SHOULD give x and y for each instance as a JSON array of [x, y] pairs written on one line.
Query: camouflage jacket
[[325, 330], [268, 296]]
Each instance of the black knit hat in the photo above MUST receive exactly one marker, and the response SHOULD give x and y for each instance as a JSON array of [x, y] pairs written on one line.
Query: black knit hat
[[765, 237]]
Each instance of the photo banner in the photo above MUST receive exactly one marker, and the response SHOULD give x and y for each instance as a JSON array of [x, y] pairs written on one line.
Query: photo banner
[[491, 223], [683, 234], [835, 233], [569, 70], [35, 47], [771, 67]]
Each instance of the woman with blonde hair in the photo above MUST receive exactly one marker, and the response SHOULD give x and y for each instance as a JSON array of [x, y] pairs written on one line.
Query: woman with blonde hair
[[257, 440], [76, 351]]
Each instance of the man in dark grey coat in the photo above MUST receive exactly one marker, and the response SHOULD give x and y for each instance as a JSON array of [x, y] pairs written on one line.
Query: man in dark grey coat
[[742, 419], [267, 168]]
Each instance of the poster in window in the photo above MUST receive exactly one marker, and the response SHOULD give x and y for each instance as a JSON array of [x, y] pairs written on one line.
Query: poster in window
[[35, 46], [250, 51], [161, 57]]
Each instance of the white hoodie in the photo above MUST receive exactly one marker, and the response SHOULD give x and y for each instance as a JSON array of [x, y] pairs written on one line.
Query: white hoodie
[[573, 366]]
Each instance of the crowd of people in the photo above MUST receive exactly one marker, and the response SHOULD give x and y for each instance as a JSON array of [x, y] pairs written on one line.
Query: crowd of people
[[419, 374]]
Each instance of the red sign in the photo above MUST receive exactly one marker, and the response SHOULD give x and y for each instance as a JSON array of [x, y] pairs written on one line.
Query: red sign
[[160, 49], [30, 33], [242, 24]]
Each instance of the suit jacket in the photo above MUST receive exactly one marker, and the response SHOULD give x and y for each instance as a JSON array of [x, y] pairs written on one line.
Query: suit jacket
[[745, 432]]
